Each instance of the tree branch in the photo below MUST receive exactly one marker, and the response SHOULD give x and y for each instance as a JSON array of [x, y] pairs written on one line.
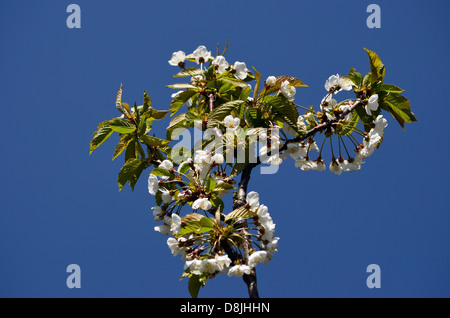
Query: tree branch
[[240, 200]]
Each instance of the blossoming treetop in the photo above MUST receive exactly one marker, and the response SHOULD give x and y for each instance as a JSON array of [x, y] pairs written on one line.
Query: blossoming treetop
[[239, 133]]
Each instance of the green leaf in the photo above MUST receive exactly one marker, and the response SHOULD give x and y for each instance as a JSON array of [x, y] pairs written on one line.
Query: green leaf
[[206, 223], [161, 172], [279, 80], [376, 66], [180, 99], [355, 77], [235, 81], [217, 202], [100, 136], [399, 107], [131, 172], [210, 184], [222, 111], [131, 152], [255, 117], [194, 286], [153, 141], [122, 126], [190, 71], [158, 114], [389, 88], [179, 121], [241, 212], [122, 145], [195, 223], [283, 108], [147, 102]]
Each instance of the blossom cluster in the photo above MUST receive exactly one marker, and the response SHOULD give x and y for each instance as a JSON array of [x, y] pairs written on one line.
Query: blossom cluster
[[201, 55], [200, 252]]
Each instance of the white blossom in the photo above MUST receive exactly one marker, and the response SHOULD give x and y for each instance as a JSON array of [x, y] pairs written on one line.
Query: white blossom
[[166, 196], [203, 157], [202, 203], [239, 270], [231, 122], [209, 266], [253, 200], [202, 55], [257, 257], [272, 245], [335, 167], [153, 186], [222, 261], [241, 70], [174, 246], [305, 164], [320, 166], [288, 90], [158, 212], [351, 165], [177, 58], [372, 104], [195, 266], [295, 150], [218, 159], [380, 124], [335, 83], [166, 164], [271, 81], [221, 64], [176, 223]]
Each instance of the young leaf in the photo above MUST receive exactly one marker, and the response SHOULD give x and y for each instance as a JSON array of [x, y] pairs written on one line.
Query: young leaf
[[100, 136], [217, 202], [222, 111], [389, 88], [122, 126], [161, 172], [147, 103], [122, 145], [131, 172], [355, 77], [180, 99], [241, 212], [376, 66], [158, 114], [399, 107], [210, 184], [153, 141]]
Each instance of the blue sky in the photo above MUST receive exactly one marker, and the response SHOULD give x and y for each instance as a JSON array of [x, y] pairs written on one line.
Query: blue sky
[[60, 206]]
